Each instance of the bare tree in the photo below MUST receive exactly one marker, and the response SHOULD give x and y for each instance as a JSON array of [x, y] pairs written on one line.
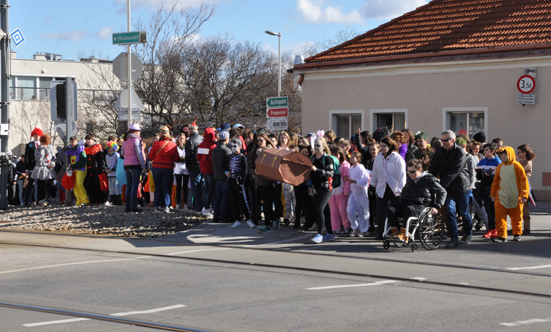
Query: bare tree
[[31, 114], [161, 87], [344, 35]]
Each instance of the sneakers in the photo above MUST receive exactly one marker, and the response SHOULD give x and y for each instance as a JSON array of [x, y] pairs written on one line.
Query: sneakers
[[166, 210], [355, 232], [392, 232], [264, 229], [345, 233], [362, 234], [401, 235], [107, 203], [452, 244], [177, 207], [317, 239], [516, 238], [494, 234], [236, 224], [329, 237], [489, 233], [251, 223], [466, 239], [498, 239], [136, 210], [275, 224]]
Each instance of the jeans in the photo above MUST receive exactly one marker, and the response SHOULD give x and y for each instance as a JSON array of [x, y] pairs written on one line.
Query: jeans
[[195, 178], [20, 184], [221, 201], [210, 190], [459, 203], [163, 178], [132, 183], [29, 189]]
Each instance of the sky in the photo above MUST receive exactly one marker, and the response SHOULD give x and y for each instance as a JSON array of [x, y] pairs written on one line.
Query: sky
[[75, 28]]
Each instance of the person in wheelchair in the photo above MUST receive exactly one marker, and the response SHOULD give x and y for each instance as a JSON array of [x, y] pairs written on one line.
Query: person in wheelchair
[[422, 190]]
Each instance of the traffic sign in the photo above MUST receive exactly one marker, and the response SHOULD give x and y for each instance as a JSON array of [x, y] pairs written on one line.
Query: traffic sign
[[133, 37], [17, 37], [122, 102], [120, 67], [526, 99], [526, 84], [277, 112], [277, 124], [277, 102]]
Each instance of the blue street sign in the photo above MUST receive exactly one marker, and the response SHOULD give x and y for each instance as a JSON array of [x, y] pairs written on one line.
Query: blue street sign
[[17, 37]]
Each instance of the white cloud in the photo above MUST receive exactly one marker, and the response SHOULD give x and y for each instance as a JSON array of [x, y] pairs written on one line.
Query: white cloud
[[105, 33], [70, 35], [314, 11], [138, 4], [387, 9]]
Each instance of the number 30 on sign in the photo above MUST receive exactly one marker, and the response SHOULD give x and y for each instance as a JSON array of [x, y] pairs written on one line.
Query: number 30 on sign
[[526, 84]]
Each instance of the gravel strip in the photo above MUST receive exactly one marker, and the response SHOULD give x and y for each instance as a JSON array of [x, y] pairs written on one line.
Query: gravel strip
[[98, 219]]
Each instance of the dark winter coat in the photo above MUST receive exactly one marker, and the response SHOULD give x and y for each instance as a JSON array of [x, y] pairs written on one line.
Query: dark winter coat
[[192, 145], [29, 156], [451, 166], [427, 191], [220, 158]]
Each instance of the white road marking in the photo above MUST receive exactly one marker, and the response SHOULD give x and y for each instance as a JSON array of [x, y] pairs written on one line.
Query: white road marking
[[529, 267], [119, 314], [52, 322], [148, 311], [418, 278], [198, 250], [69, 264], [527, 322], [378, 283]]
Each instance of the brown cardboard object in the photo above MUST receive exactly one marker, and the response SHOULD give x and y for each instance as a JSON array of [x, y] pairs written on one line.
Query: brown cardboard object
[[286, 166]]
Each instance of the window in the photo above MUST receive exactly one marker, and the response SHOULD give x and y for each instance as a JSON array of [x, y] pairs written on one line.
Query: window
[[30, 88], [345, 123], [470, 120], [393, 119]]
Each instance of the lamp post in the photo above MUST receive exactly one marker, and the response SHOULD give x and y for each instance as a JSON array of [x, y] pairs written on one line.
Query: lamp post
[[278, 34]]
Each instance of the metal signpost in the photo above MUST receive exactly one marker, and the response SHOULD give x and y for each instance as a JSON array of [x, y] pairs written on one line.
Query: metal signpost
[[277, 112], [129, 38], [4, 102]]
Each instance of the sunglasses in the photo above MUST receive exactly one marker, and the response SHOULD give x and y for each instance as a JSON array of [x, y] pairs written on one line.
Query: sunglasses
[[446, 140]]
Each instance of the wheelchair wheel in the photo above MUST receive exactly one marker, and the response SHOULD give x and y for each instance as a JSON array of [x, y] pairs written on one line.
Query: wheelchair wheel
[[386, 245], [431, 230], [414, 247]]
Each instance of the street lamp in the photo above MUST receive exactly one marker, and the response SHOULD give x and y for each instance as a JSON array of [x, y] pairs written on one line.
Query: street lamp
[[278, 34]]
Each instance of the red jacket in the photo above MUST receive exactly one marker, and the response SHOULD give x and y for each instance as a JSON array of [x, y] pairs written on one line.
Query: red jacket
[[204, 151], [167, 156]]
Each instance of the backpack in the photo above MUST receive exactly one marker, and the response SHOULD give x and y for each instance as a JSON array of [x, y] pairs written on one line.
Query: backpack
[[336, 179]]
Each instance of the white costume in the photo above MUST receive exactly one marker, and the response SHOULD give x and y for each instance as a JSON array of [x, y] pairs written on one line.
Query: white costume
[[358, 202]]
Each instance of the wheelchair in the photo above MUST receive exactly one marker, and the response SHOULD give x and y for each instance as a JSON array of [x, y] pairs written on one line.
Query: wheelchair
[[428, 228]]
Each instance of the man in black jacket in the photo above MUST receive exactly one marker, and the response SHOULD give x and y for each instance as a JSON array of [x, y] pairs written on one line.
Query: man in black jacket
[[449, 162], [193, 167], [30, 163], [422, 190], [94, 167], [220, 159]]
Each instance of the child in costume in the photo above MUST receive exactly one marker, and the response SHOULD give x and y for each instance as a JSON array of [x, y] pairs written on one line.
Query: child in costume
[[111, 161], [509, 193], [358, 202], [78, 162], [43, 171], [339, 198]]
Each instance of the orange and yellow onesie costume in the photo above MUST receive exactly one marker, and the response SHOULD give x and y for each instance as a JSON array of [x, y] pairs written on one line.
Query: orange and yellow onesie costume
[[509, 187]]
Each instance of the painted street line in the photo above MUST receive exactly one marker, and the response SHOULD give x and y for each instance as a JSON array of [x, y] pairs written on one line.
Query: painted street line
[[198, 250], [527, 322], [529, 267], [418, 278], [69, 264], [378, 283], [148, 311], [119, 314], [52, 322]]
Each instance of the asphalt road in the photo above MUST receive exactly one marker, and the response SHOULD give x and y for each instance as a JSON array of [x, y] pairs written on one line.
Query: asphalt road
[[214, 278]]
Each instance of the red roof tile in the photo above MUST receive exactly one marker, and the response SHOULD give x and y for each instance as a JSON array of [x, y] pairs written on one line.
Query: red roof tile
[[449, 25]]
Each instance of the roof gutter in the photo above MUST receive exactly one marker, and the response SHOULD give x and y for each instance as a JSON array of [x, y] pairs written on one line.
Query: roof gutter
[[316, 65]]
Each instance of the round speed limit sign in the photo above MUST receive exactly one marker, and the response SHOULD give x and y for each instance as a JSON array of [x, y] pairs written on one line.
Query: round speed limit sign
[[526, 84]]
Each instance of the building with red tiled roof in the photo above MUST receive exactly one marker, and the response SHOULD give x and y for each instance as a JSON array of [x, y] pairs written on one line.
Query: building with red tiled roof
[[451, 64]]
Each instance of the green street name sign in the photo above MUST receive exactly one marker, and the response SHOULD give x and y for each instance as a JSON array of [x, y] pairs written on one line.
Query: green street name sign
[[277, 102], [133, 37]]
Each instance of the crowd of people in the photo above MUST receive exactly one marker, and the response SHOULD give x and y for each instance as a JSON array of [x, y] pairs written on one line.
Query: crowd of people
[[356, 186]]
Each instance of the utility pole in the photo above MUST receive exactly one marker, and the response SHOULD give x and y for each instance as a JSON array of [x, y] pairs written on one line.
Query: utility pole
[[129, 64], [69, 103], [4, 103]]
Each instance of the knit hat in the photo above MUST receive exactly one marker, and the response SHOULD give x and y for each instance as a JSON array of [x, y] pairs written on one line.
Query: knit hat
[[37, 131], [194, 126], [480, 137], [224, 135]]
